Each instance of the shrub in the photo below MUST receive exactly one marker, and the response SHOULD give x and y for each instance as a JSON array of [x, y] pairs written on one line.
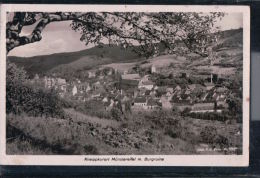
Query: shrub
[[221, 141], [15, 74], [93, 108], [224, 116], [61, 135], [35, 102], [208, 134], [90, 149], [186, 111], [21, 97], [116, 114], [172, 132]]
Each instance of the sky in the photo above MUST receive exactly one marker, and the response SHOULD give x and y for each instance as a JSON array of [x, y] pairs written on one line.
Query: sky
[[59, 37]]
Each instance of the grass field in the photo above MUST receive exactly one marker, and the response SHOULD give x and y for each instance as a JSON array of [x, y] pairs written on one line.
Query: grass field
[[140, 134]]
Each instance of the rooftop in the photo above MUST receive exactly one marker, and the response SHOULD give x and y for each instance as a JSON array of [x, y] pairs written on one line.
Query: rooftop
[[152, 102], [140, 100], [147, 82], [131, 76], [209, 84]]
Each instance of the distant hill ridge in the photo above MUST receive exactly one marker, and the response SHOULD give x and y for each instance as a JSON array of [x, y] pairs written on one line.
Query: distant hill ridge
[[99, 55], [44, 63]]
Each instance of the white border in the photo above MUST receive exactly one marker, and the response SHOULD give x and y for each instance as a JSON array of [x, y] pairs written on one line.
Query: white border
[[169, 160]]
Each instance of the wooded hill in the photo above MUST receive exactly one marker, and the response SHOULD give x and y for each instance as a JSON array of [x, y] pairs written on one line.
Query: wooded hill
[[100, 55]]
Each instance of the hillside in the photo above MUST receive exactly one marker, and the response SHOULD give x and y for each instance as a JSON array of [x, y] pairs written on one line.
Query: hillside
[[45, 63], [75, 62]]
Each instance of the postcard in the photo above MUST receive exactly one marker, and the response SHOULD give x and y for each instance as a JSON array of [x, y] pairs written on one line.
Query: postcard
[[124, 85]]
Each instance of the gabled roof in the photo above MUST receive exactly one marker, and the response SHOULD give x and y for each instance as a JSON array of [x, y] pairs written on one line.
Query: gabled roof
[[147, 82], [107, 103], [195, 86], [152, 102], [147, 92], [131, 76], [221, 89], [130, 82], [169, 89], [119, 97], [140, 100], [209, 84]]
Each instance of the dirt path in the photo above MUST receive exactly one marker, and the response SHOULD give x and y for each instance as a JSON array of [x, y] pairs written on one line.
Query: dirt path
[[80, 117]]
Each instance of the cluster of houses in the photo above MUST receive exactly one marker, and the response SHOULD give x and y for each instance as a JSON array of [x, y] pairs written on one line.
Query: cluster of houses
[[140, 92]]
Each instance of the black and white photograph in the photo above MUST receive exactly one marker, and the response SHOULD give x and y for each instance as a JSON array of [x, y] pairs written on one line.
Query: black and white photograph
[[123, 81]]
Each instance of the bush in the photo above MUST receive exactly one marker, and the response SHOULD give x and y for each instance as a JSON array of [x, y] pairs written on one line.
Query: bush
[[224, 116], [116, 114], [93, 108], [60, 135], [173, 132], [90, 149], [208, 134], [15, 74], [22, 98], [221, 141]]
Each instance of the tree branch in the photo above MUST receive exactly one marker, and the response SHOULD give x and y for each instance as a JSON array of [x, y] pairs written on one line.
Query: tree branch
[[20, 19]]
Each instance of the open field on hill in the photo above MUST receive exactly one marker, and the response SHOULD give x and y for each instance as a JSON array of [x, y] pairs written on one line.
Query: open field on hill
[[140, 134]]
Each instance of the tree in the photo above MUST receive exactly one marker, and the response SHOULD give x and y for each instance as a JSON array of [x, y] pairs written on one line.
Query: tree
[[234, 104], [15, 74], [147, 30], [116, 113]]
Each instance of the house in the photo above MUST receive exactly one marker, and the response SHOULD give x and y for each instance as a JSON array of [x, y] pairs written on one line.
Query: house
[[37, 81], [78, 81], [181, 105], [74, 90], [91, 74], [61, 81], [221, 90], [209, 85], [131, 77], [187, 91], [147, 92], [156, 87], [140, 101], [96, 85], [145, 78], [125, 99], [141, 91], [109, 71], [196, 88], [153, 93], [165, 103], [61, 84], [109, 104], [146, 84], [36, 77], [49, 82], [203, 107], [169, 90], [152, 104], [204, 96], [88, 88], [179, 88], [105, 99], [153, 69], [126, 83], [95, 95], [221, 101]]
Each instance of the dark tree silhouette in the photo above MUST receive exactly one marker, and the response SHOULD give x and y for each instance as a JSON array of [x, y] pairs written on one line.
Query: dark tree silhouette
[[147, 30]]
